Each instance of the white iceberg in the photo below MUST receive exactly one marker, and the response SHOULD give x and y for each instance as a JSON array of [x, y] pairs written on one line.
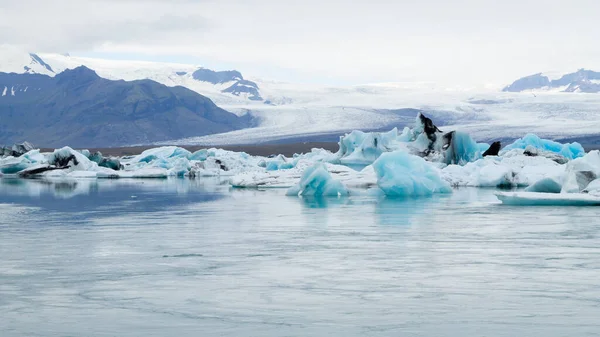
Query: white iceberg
[[547, 199]]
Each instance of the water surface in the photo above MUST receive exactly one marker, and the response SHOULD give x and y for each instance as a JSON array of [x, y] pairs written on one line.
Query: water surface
[[195, 258]]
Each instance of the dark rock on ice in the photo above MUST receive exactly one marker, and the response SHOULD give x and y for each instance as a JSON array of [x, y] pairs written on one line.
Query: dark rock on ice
[[493, 150]]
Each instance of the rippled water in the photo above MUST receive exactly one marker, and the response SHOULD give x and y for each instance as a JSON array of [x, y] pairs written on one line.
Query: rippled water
[[188, 258]]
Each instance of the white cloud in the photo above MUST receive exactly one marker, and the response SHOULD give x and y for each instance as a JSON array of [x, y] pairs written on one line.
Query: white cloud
[[465, 41]]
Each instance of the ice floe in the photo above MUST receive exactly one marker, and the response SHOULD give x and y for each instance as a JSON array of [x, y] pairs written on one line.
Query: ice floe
[[547, 199]]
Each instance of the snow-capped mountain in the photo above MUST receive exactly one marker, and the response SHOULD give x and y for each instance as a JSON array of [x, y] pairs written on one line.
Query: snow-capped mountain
[[223, 87], [585, 81]]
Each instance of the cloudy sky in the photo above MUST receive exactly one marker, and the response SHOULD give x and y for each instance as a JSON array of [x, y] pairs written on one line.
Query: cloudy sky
[[322, 41]]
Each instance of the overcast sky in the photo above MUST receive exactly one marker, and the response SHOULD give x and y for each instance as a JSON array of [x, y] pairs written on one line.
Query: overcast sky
[[322, 41]]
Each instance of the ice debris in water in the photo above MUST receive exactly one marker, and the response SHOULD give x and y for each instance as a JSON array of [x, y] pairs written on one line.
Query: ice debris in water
[[400, 174], [568, 150], [548, 199], [316, 181]]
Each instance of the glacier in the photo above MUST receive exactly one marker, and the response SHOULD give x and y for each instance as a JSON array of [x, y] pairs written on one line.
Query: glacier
[[416, 162]]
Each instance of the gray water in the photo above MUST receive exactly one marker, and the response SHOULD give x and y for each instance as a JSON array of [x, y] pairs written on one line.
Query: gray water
[[189, 258]]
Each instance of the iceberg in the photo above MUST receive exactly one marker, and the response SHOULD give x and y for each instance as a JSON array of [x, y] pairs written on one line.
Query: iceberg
[[360, 148], [462, 149], [316, 181], [200, 155], [593, 188], [400, 174], [546, 185], [580, 172], [12, 165], [548, 199], [569, 150], [164, 152], [66, 156], [277, 163], [510, 170]]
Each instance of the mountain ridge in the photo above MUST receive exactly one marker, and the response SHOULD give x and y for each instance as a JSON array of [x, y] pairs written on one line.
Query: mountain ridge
[[583, 80], [79, 108]]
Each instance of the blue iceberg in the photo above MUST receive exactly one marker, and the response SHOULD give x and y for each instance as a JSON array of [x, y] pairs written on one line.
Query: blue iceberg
[[400, 174], [568, 150], [317, 181], [360, 148], [463, 149], [546, 185]]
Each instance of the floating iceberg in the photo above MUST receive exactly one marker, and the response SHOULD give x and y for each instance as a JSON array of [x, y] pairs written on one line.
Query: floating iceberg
[[546, 185], [400, 174], [511, 170], [548, 199], [360, 148], [316, 181], [462, 149], [569, 150]]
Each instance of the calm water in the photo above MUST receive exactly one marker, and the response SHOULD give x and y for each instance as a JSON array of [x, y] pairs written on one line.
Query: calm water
[[189, 258]]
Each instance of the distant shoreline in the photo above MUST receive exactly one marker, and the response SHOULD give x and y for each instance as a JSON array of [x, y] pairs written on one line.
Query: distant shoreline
[[287, 150]]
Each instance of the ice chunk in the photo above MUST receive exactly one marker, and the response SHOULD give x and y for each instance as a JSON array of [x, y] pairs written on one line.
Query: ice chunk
[[164, 152], [407, 135], [580, 172], [20, 149], [548, 199], [401, 174], [317, 181], [568, 150], [288, 178], [179, 167], [96, 157], [277, 163], [462, 149], [66, 156], [34, 156], [512, 170], [360, 148], [200, 155], [86, 153], [12, 165], [593, 188], [546, 185]]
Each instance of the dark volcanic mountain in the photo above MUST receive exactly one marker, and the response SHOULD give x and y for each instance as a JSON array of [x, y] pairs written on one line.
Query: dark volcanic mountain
[[79, 108], [583, 80]]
